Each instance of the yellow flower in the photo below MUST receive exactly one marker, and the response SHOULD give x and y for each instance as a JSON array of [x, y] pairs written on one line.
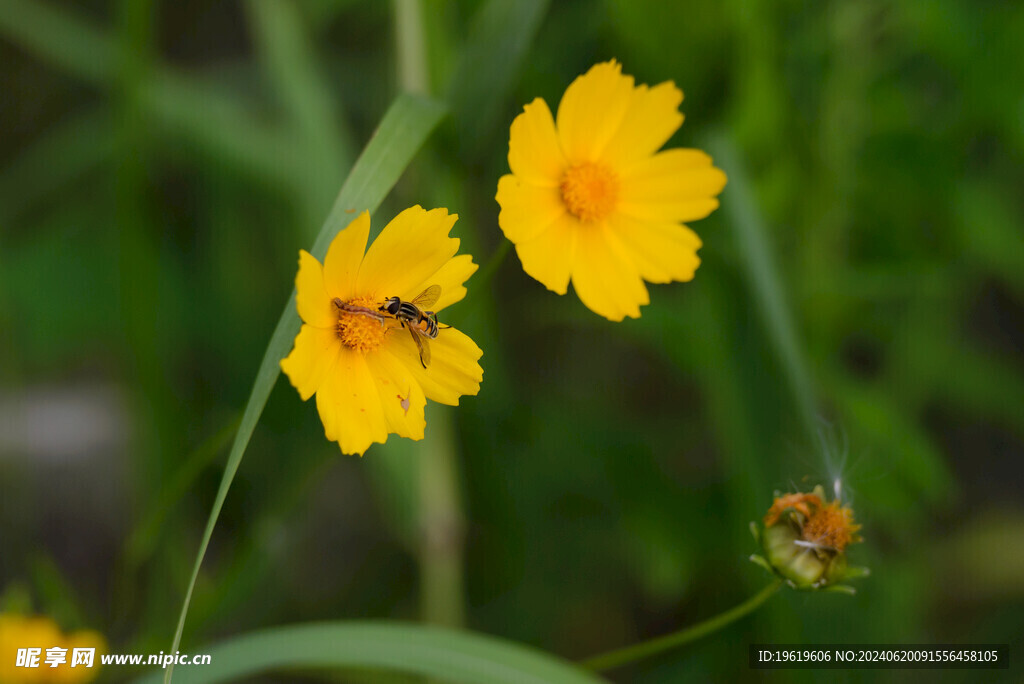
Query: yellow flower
[[84, 639], [590, 198], [363, 366], [22, 632]]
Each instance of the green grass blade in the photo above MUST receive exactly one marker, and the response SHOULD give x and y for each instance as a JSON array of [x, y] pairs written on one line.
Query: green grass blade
[[435, 652], [289, 60], [765, 283], [403, 130], [223, 126], [241, 576], [142, 539], [199, 112], [501, 33], [59, 38], [412, 117], [60, 156], [911, 452]]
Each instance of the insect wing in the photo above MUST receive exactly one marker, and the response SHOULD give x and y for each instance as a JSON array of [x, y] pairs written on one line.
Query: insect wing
[[426, 299], [421, 344]]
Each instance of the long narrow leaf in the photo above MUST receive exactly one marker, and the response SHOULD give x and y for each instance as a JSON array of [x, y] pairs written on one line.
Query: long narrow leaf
[[282, 38], [500, 35], [765, 282], [222, 125], [403, 130], [67, 151], [206, 115], [435, 652], [142, 539], [60, 38]]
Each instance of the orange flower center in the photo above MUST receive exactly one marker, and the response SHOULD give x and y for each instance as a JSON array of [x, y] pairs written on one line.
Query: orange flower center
[[801, 503], [358, 326], [831, 526], [589, 191]]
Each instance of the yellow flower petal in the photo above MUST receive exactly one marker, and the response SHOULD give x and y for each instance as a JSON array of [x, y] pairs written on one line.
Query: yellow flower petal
[[86, 638], [534, 152], [79, 675], [604, 278], [410, 249], [550, 256], [349, 404], [401, 396], [675, 185], [650, 120], [527, 210], [453, 369], [314, 305], [451, 277], [311, 359], [661, 252], [591, 111], [341, 265]]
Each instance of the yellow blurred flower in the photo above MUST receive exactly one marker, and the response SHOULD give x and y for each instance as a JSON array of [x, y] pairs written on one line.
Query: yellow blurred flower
[[19, 632], [363, 366], [591, 199]]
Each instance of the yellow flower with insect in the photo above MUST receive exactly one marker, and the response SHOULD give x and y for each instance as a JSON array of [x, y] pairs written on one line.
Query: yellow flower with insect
[[371, 348], [591, 199]]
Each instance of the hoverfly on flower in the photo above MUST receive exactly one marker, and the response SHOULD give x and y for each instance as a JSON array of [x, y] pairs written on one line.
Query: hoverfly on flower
[[422, 324], [368, 378]]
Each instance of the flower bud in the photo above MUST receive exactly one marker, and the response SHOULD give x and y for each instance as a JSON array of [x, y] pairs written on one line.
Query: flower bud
[[804, 541]]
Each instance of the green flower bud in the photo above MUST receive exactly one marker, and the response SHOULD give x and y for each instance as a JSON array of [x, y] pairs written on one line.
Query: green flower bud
[[799, 564], [804, 541]]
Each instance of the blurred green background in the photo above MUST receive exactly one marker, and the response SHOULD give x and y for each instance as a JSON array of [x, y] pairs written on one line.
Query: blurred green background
[[859, 314]]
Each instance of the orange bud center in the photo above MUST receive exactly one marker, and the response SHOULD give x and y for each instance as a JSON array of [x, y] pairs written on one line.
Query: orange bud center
[[589, 191], [831, 526], [358, 328], [801, 503]]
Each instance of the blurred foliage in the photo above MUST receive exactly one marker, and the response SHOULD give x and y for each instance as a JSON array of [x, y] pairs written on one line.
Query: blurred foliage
[[859, 314]]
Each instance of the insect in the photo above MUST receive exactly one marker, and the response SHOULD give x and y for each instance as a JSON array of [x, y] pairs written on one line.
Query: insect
[[422, 324], [358, 310]]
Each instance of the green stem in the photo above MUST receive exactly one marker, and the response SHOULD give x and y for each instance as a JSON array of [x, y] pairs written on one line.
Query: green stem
[[411, 47], [441, 522], [646, 649], [441, 526], [480, 282], [483, 278]]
